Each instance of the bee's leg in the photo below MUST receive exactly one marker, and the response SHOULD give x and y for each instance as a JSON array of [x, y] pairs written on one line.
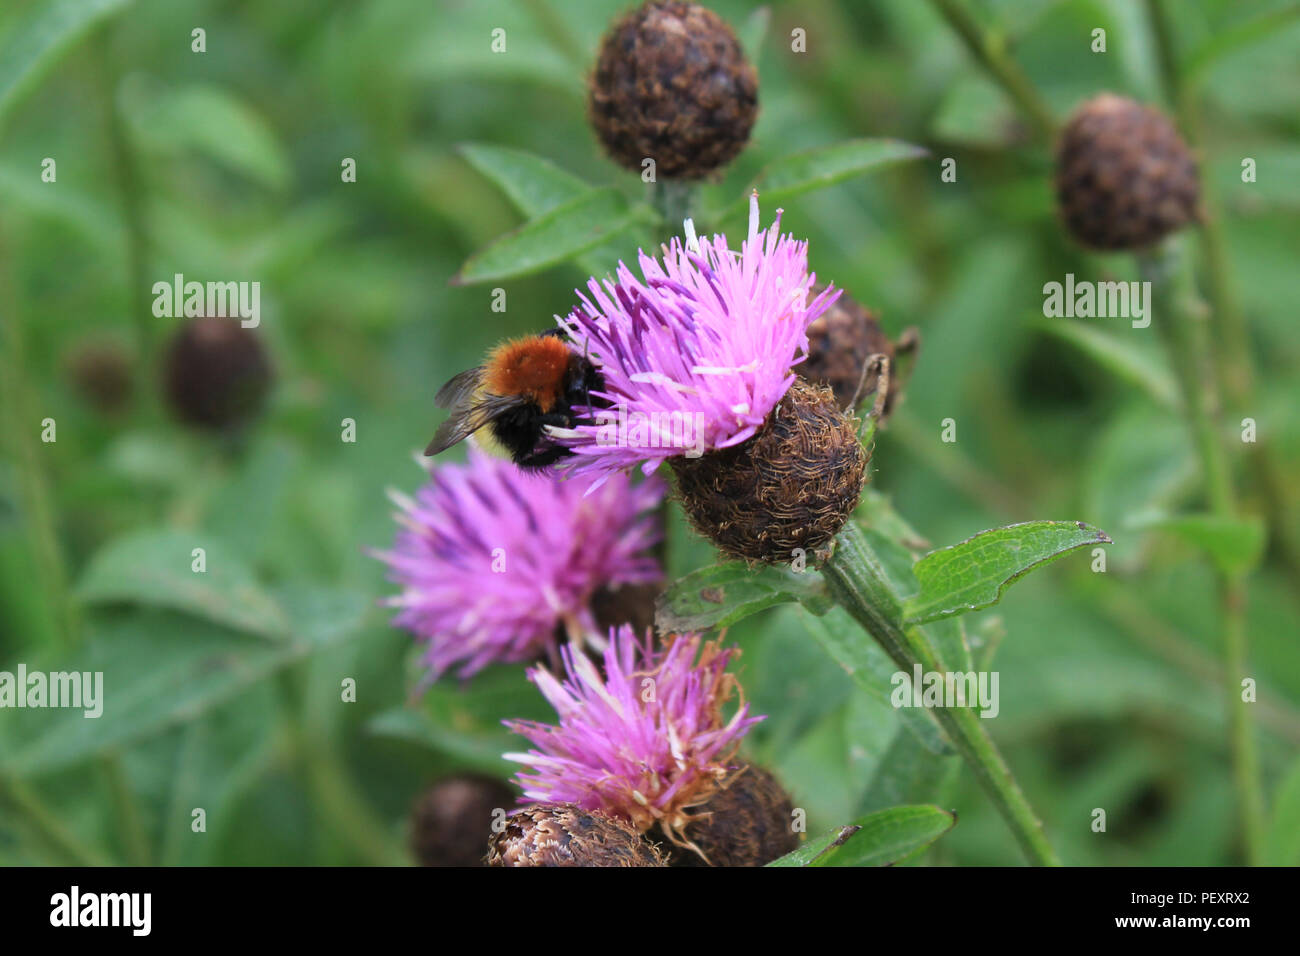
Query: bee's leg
[[543, 459], [547, 453]]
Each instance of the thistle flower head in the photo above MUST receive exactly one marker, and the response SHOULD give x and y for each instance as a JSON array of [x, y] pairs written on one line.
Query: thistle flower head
[[645, 742], [496, 563], [695, 354]]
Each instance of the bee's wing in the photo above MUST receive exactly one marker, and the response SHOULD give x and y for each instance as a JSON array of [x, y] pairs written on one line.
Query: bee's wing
[[467, 418], [460, 388]]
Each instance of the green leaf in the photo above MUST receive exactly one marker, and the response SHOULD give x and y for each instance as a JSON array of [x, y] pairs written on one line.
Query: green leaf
[[816, 847], [565, 231], [878, 839], [973, 574], [1235, 545], [824, 166], [1282, 847], [535, 185], [872, 671], [37, 42], [1141, 367], [212, 122], [472, 751], [155, 567], [889, 836], [162, 670], [1226, 42], [723, 594], [975, 111]]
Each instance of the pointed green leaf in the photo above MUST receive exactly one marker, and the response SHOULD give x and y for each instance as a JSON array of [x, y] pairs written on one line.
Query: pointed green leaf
[[973, 574], [162, 670], [816, 847], [1235, 545], [723, 594], [564, 232], [824, 166], [36, 42], [211, 122], [1241, 36], [156, 568], [878, 839], [890, 836], [1142, 367], [535, 185]]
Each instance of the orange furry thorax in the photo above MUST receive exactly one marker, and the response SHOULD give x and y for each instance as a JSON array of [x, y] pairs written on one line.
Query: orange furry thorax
[[533, 367]]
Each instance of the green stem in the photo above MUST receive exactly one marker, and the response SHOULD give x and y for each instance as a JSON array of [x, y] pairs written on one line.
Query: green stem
[[1181, 319], [19, 398], [674, 200], [126, 172], [134, 838], [334, 796], [990, 50], [858, 583], [1234, 369], [48, 827]]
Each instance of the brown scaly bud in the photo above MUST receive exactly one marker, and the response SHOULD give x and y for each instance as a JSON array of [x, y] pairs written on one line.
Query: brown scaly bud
[[216, 373], [791, 486], [749, 822], [672, 84], [563, 834], [840, 342], [1124, 177], [102, 374], [632, 604], [450, 818]]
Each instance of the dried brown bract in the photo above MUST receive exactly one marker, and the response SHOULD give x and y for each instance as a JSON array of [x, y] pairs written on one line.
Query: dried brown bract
[[791, 486], [563, 834]]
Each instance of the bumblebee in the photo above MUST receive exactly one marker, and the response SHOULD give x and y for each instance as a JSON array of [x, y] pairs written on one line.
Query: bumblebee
[[525, 385]]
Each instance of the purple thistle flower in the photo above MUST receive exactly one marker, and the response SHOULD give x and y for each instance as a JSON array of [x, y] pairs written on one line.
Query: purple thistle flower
[[645, 742], [697, 355], [494, 561]]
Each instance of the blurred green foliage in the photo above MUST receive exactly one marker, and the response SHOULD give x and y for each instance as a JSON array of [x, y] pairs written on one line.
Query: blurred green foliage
[[226, 164]]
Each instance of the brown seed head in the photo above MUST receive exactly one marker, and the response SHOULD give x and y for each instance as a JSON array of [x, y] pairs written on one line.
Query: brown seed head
[[216, 373], [1124, 177], [793, 485], [562, 834], [449, 819], [747, 823], [840, 341], [672, 84], [102, 374]]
